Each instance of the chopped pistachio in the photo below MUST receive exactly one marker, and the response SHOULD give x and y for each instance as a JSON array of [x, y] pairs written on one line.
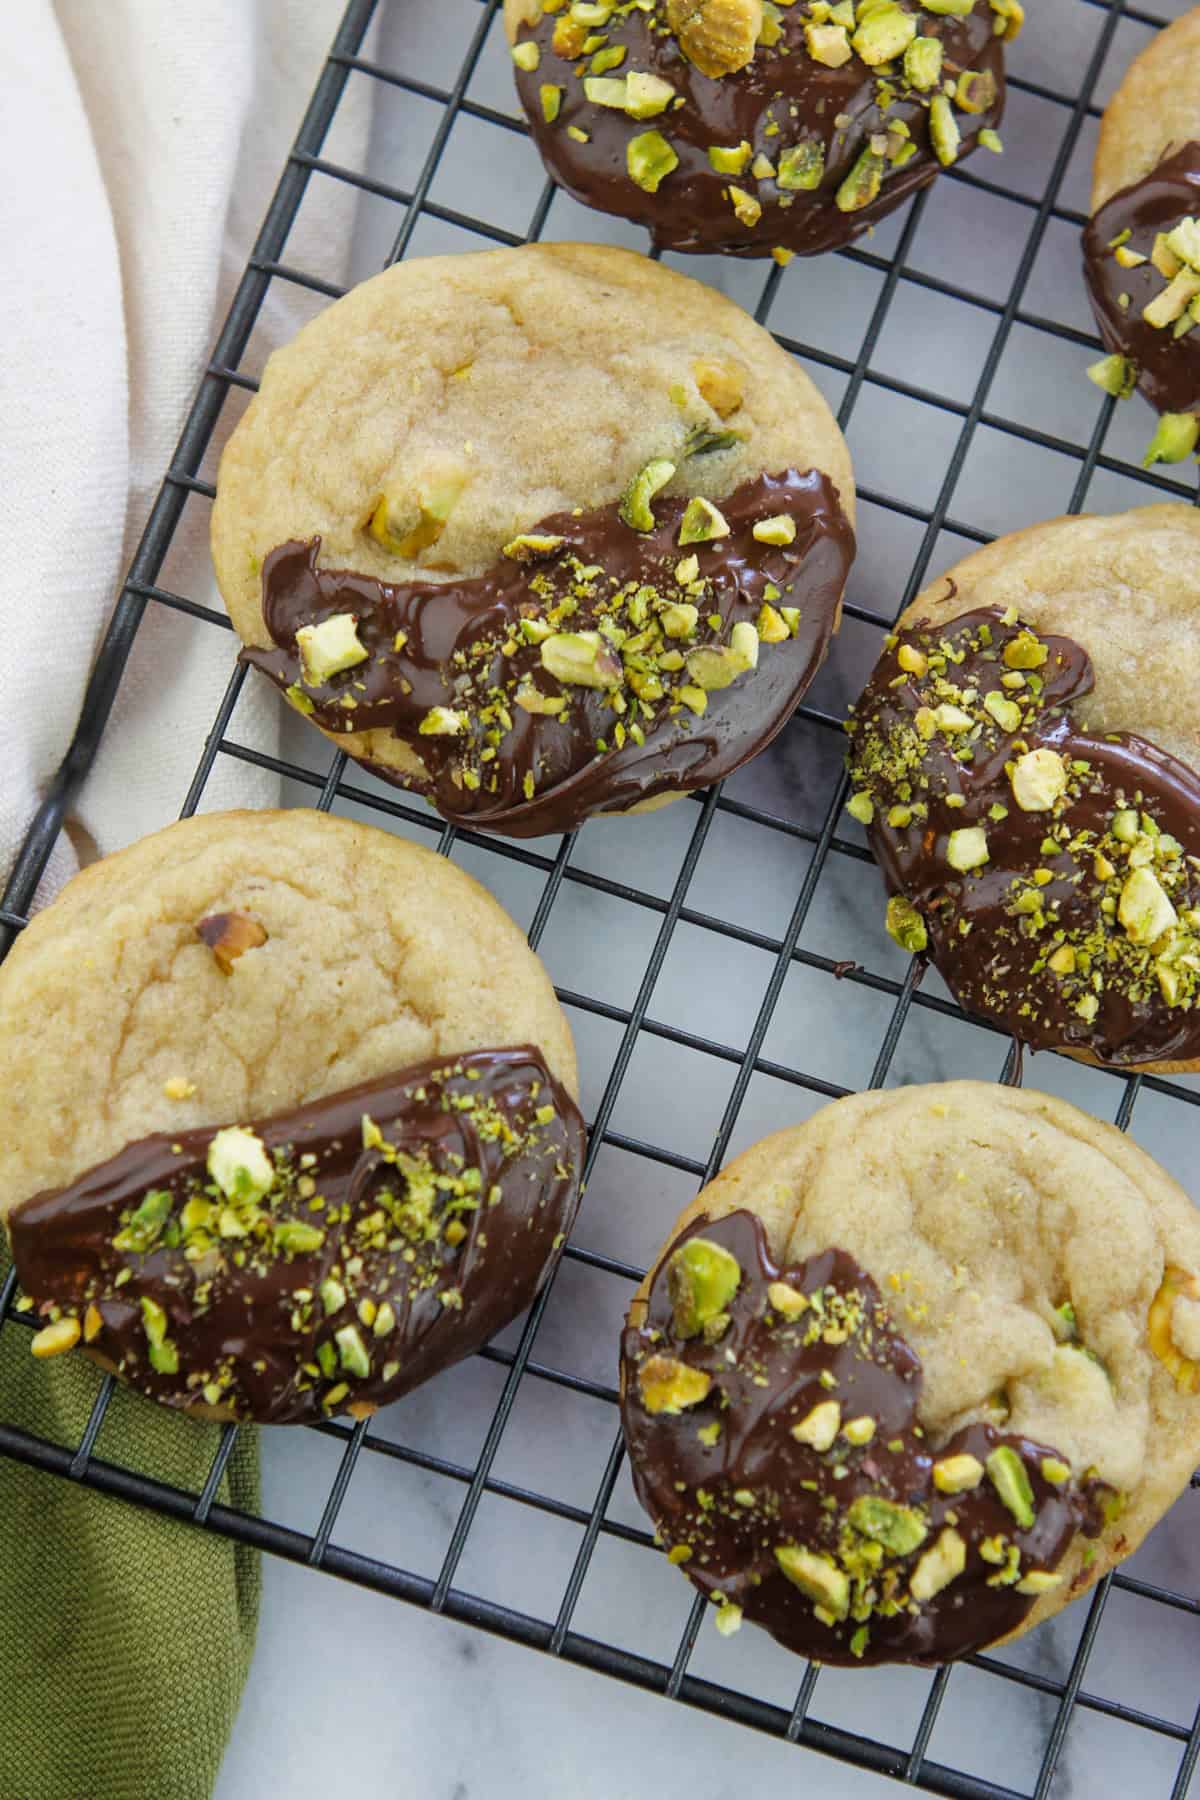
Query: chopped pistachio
[[330, 647], [860, 806], [788, 1301], [730, 160], [646, 95], [581, 659], [828, 45], [53, 1339], [1010, 1478], [883, 33], [819, 1427], [939, 1566], [816, 1576], [668, 1386], [900, 1529], [702, 522], [551, 99], [526, 55], [778, 530], [944, 134], [955, 1474], [905, 926], [239, 1164], [1116, 375], [1039, 778], [923, 63], [862, 184], [1174, 439], [650, 159], [967, 848], [801, 166]]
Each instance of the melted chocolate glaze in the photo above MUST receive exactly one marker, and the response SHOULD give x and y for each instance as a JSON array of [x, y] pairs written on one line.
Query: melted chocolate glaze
[[780, 99], [487, 1145], [727, 1505], [463, 648], [1042, 892], [1168, 368]]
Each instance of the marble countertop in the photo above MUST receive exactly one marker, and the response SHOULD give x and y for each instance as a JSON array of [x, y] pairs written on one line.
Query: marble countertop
[[351, 1691]]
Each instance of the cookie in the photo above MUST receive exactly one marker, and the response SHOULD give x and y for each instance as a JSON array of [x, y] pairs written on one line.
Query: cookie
[[291, 1117], [1026, 759], [513, 529], [912, 1375], [1142, 243], [736, 126]]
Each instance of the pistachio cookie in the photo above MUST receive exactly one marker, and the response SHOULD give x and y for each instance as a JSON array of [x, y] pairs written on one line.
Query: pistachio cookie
[[912, 1375], [739, 126], [1142, 244], [290, 1110], [513, 529], [1026, 758]]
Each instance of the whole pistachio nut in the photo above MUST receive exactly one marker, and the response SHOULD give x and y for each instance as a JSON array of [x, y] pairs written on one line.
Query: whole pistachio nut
[[702, 1278]]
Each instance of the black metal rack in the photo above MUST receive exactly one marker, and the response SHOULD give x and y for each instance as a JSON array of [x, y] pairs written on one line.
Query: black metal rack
[[1061, 1697]]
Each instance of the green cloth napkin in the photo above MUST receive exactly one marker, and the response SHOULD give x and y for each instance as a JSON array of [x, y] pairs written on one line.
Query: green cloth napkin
[[125, 1637]]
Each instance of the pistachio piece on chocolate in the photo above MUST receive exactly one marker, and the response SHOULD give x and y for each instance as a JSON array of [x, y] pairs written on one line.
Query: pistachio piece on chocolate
[[230, 935], [1144, 908], [1024, 651], [817, 1576], [442, 721], [649, 159], [1176, 1285], [53, 1339], [884, 32], [679, 620], [923, 63], [779, 530], [900, 1529], [1010, 1478], [635, 502], [730, 159], [239, 1164], [788, 1301], [668, 1386], [1039, 1581], [905, 926], [801, 166], [819, 1427], [828, 44], [145, 1223], [528, 546], [1039, 778], [581, 658], [943, 130], [646, 95], [955, 1474], [329, 648], [862, 184], [702, 1278], [717, 36], [715, 666], [702, 522], [967, 848], [939, 1566]]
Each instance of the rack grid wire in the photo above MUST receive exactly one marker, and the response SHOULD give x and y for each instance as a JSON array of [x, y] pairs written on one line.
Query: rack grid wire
[[657, 909]]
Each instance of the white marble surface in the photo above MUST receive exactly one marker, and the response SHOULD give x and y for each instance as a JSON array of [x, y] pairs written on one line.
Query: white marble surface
[[354, 1692]]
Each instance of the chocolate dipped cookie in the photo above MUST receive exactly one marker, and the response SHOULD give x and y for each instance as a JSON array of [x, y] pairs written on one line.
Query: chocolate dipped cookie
[[291, 1117], [1026, 760], [911, 1376], [538, 533], [754, 129], [1142, 243]]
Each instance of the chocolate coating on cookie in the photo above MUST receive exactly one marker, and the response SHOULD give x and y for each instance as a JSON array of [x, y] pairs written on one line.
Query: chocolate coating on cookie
[[598, 665], [1126, 268], [1054, 875], [800, 149], [772, 1419], [328, 1258]]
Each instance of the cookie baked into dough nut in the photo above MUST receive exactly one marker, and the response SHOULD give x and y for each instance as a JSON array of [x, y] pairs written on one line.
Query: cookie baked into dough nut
[[754, 129], [539, 533], [1026, 760], [290, 1117], [1142, 243], [912, 1375]]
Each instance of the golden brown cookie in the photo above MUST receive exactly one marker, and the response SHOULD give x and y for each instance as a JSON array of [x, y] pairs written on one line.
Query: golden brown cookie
[[1142, 244], [291, 1116], [912, 1375], [727, 125], [1025, 759], [539, 532]]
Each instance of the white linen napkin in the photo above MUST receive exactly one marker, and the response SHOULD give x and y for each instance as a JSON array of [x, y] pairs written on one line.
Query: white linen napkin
[[141, 141]]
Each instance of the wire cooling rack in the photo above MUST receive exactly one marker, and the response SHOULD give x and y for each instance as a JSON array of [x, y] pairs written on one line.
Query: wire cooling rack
[[952, 345]]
